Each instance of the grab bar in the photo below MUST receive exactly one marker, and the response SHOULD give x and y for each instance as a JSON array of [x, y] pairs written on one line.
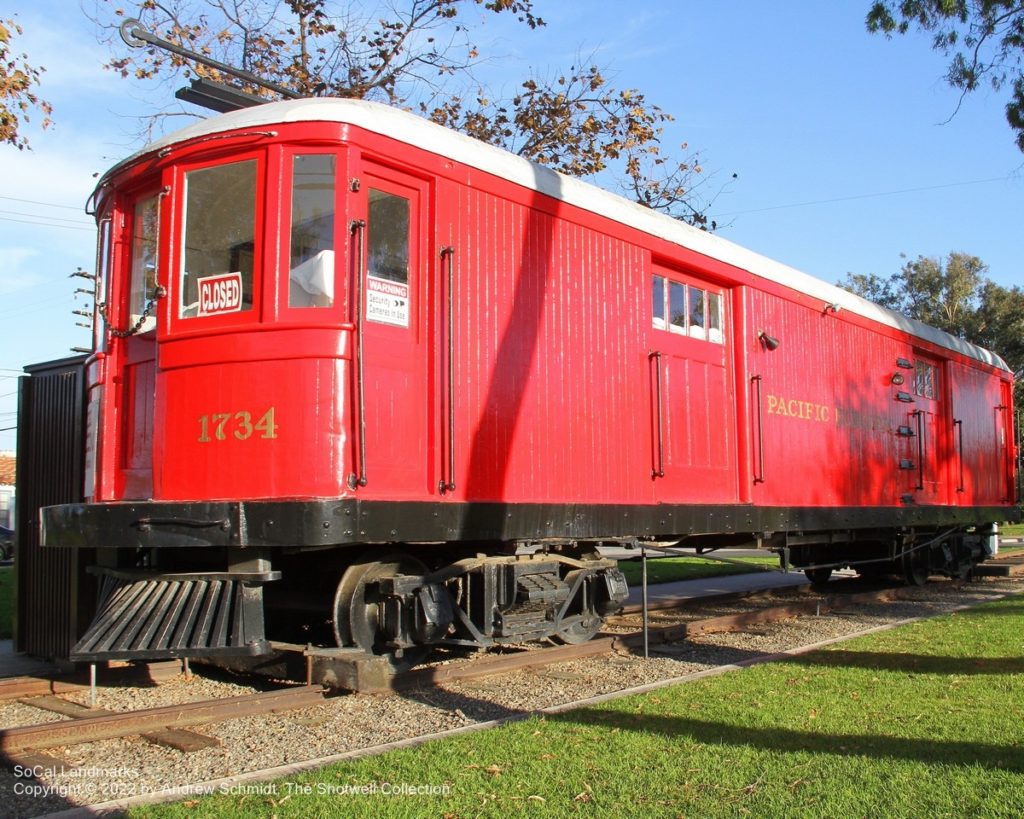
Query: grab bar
[[659, 470], [448, 252], [358, 478], [759, 476]]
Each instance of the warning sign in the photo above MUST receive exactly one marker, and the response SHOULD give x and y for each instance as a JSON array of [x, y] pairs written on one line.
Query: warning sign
[[220, 294], [387, 301]]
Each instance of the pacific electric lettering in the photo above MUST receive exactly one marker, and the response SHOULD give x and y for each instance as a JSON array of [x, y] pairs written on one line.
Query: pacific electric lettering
[[821, 413], [793, 408]]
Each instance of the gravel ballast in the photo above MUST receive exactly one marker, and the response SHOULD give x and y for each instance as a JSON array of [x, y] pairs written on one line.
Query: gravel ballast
[[99, 772]]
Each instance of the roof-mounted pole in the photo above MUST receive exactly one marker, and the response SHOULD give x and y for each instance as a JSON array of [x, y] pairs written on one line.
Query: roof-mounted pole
[[135, 35]]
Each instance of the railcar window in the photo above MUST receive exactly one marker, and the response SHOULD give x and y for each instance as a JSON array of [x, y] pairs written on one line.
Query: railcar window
[[658, 301], [697, 312], [715, 317], [219, 240], [926, 380], [145, 230], [677, 307], [311, 278], [690, 310], [103, 277], [388, 237]]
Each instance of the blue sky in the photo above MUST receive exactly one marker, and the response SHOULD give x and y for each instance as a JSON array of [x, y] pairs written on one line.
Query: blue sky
[[837, 138]]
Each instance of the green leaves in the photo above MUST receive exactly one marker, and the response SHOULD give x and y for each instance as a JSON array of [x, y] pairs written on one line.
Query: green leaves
[[954, 295], [408, 54], [579, 124], [983, 39], [18, 81]]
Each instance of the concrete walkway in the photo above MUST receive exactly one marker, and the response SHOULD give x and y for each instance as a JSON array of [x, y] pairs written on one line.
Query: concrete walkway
[[710, 586], [13, 664]]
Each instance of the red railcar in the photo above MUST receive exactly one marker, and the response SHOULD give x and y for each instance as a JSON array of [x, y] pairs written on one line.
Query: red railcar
[[350, 361]]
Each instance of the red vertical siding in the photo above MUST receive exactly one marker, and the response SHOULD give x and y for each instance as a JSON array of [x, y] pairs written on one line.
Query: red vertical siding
[[829, 407], [550, 358], [976, 405]]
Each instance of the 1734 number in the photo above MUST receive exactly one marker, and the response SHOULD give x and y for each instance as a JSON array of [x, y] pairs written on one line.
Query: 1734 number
[[221, 426]]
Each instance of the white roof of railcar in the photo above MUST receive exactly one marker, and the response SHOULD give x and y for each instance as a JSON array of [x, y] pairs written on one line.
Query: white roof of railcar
[[421, 133]]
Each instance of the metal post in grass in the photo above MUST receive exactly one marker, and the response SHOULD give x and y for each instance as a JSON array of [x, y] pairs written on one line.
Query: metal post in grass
[[643, 593]]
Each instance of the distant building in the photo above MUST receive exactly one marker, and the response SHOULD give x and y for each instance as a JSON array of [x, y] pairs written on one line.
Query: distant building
[[8, 467]]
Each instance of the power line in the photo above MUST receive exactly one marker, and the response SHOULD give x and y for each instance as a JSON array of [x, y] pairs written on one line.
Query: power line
[[46, 224], [47, 204], [860, 196], [35, 307], [44, 216]]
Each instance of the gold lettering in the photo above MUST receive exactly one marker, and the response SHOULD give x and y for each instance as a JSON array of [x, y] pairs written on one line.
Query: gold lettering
[[244, 425], [220, 418], [238, 425], [797, 408]]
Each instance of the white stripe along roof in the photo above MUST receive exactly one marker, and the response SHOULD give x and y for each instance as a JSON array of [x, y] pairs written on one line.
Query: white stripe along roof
[[421, 133]]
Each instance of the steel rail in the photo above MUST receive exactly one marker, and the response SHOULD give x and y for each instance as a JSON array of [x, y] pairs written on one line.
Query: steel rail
[[32, 738], [112, 726], [14, 688], [606, 644]]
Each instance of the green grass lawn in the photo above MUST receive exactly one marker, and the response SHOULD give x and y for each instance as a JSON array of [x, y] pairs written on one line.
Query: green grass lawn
[[1012, 530], [922, 721], [6, 602], [668, 569]]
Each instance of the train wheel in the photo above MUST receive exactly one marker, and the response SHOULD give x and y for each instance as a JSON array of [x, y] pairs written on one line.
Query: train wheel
[[358, 618], [579, 632], [818, 577], [915, 570], [589, 622]]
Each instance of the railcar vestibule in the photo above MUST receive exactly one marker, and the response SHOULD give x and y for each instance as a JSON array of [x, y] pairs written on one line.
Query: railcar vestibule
[[253, 249]]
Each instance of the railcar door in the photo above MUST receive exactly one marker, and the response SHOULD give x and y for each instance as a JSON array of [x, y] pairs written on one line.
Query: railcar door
[[138, 346], [393, 455], [1006, 444], [982, 439], [925, 467], [693, 440]]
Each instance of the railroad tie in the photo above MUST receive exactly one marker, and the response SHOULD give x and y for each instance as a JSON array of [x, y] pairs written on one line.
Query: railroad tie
[[180, 739], [36, 761]]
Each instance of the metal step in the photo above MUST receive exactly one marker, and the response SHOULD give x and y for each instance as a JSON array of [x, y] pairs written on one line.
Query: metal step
[[146, 616]]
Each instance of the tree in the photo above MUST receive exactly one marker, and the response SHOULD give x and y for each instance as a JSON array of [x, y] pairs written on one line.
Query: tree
[[418, 54], [954, 295], [984, 40], [17, 81]]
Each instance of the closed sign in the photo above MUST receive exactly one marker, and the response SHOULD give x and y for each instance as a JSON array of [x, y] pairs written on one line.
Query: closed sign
[[220, 294]]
